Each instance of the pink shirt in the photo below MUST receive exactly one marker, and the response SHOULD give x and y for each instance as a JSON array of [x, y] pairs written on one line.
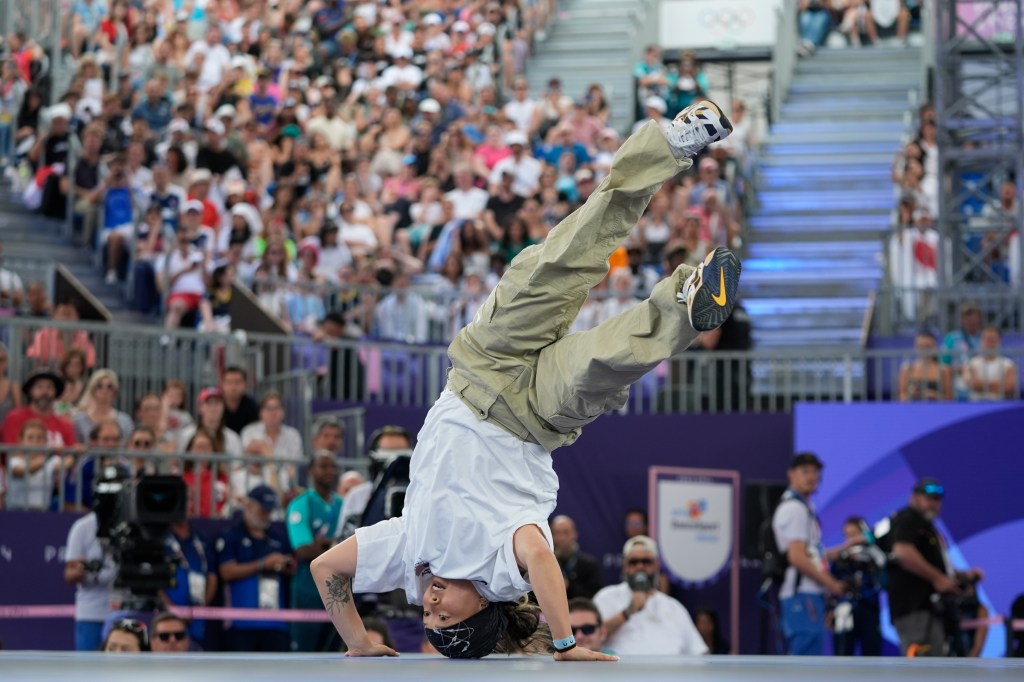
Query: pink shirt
[[492, 155]]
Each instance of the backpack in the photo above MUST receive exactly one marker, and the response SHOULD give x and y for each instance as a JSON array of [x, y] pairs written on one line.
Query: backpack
[[774, 561]]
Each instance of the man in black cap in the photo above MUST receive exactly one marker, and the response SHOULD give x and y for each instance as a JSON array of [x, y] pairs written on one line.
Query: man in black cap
[[807, 579], [254, 562], [41, 389], [922, 569]]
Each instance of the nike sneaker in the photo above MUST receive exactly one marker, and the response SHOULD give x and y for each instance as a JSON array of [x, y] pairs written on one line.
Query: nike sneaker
[[709, 293]]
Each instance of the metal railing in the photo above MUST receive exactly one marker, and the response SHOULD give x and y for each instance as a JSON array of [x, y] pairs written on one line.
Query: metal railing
[[905, 310], [784, 55], [71, 472], [370, 373]]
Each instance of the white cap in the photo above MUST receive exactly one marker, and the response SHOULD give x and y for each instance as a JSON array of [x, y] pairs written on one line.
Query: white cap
[[515, 137], [460, 27], [640, 542], [225, 111], [200, 175], [402, 52], [193, 204], [61, 110], [239, 61], [486, 29], [655, 102], [433, 19], [178, 125], [215, 126], [430, 106]]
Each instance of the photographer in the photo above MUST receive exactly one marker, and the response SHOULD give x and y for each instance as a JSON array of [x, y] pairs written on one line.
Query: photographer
[[858, 563], [640, 619], [923, 587]]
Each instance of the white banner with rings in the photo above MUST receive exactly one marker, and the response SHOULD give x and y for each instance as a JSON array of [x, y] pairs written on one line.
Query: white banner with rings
[[717, 24]]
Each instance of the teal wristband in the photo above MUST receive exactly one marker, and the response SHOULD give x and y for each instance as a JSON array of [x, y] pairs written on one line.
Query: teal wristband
[[562, 645]]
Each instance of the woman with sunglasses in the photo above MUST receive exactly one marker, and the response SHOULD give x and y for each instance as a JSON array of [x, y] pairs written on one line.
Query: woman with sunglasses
[[98, 404], [473, 538]]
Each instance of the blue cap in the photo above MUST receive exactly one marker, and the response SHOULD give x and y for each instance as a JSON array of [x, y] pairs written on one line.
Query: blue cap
[[265, 495]]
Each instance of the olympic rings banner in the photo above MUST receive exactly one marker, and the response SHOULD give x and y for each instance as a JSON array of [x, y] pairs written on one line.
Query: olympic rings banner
[[717, 24]]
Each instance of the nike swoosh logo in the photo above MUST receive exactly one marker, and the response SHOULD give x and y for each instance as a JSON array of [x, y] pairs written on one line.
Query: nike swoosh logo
[[720, 299]]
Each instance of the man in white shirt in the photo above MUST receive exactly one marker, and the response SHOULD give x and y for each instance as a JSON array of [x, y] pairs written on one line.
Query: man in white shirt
[[402, 314], [339, 133], [798, 536], [524, 167], [522, 110], [216, 58], [180, 275], [468, 200], [403, 74], [11, 289], [91, 569], [640, 619]]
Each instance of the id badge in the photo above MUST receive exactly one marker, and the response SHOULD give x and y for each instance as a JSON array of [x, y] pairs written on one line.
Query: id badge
[[197, 588], [270, 593]]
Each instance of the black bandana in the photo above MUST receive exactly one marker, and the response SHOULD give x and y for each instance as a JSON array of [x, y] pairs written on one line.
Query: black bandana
[[474, 637]]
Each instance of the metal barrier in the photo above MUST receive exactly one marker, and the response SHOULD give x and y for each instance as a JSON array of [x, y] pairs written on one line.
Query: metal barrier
[[32, 269], [71, 471], [906, 309], [370, 373]]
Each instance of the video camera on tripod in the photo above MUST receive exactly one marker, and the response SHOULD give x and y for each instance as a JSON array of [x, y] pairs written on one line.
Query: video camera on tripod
[[133, 516]]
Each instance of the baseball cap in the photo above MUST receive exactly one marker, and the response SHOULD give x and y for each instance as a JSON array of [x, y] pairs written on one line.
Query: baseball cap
[[192, 205], [486, 29], [265, 495], [930, 487], [215, 126], [61, 110], [584, 174], [515, 137], [430, 106], [201, 175], [178, 125], [432, 19], [460, 27], [225, 111], [211, 392], [641, 542], [402, 52], [657, 103], [805, 458]]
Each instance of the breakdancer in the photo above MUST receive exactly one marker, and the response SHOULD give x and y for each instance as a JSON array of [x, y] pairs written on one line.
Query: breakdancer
[[473, 538]]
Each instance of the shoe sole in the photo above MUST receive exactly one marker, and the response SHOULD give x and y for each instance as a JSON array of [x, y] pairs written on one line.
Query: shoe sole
[[724, 126], [707, 309]]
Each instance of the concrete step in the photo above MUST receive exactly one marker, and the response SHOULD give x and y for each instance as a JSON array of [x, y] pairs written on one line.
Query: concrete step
[[813, 200], [862, 249], [806, 305], [894, 137], [789, 338], [865, 127], [814, 162], [830, 147]]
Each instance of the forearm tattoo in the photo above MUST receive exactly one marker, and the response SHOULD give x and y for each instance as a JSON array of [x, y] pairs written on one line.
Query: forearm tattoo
[[339, 592]]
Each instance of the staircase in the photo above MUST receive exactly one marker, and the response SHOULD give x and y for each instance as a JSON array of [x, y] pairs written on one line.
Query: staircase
[[825, 196], [594, 41], [29, 240]]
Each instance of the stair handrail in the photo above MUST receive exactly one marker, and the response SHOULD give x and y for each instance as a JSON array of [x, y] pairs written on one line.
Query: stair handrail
[[784, 54]]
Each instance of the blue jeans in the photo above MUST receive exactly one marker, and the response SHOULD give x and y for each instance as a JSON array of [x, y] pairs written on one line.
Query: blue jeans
[[6, 140], [814, 26], [803, 624], [88, 635]]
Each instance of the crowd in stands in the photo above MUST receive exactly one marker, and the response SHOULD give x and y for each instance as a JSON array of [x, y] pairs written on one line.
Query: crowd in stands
[[330, 156], [857, 21]]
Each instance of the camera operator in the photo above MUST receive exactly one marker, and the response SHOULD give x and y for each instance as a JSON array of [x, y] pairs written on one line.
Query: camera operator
[[638, 617], [923, 587], [858, 563], [90, 566]]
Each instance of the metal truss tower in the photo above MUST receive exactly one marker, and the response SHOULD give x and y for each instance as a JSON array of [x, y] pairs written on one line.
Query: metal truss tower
[[979, 107]]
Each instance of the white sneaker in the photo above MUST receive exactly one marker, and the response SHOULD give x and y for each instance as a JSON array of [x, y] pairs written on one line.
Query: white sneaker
[[111, 277], [695, 127]]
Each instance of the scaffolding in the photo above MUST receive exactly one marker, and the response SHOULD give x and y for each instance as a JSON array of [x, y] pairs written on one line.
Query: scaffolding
[[978, 98]]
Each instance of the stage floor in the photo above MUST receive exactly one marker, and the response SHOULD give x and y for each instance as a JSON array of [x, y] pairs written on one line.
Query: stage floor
[[51, 666]]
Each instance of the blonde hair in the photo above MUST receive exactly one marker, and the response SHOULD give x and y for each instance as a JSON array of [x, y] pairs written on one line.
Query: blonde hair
[[96, 377]]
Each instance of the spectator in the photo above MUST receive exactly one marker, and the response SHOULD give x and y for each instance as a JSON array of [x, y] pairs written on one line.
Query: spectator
[[654, 110], [582, 572], [126, 636], [240, 409], [706, 621], [12, 93], [921, 572], [328, 434], [990, 375], [172, 400], [37, 300], [524, 168], [195, 582], [11, 290], [815, 22], [91, 568], [858, 22], [215, 308], [797, 533], [50, 343], [910, 11], [155, 109], [79, 481], [41, 389], [72, 370], [621, 295], [640, 619], [402, 314], [858, 562], [349, 480], [587, 626], [961, 344], [98, 404], [207, 481], [253, 564], [10, 393], [312, 522], [651, 76], [522, 110], [212, 412], [31, 476], [925, 379], [169, 634], [688, 85], [180, 276], [271, 437]]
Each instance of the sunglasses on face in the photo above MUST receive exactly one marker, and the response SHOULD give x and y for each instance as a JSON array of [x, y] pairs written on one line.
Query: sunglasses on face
[[105, 386], [177, 635], [640, 562], [588, 629]]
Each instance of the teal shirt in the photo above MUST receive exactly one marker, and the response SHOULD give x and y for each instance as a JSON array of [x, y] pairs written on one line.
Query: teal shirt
[[309, 517]]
